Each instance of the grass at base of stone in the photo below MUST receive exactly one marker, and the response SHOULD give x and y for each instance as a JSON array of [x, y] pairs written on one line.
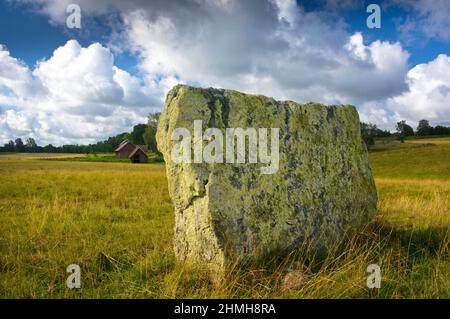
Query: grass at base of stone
[[414, 264], [115, 220]]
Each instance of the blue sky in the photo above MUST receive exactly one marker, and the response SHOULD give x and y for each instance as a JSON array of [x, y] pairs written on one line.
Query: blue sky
[[30, 37], [56, 82]]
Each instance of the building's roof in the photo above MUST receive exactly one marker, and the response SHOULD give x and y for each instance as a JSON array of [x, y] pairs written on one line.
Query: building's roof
[[143, 147], [137, 149], [122, 145]]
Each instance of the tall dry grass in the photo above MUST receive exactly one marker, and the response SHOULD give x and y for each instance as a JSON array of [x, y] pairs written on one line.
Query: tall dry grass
[[116, 221]]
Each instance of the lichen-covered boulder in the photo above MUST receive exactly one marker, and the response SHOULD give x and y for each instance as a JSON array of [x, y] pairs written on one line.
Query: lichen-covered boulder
[[321, 187]]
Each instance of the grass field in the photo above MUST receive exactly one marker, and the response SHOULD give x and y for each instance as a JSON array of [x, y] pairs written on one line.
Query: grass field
[[100, 158], [115, 220]]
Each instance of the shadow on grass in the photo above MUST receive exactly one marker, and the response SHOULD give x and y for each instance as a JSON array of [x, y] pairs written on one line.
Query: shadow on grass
[[399, 250], [429, 241], [408, 258]]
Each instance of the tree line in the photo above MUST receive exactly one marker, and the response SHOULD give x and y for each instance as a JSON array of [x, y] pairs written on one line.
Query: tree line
[[370, 132], [141, 134], [145, 134]]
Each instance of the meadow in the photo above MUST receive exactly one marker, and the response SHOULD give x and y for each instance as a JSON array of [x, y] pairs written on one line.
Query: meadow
[[115, 220]]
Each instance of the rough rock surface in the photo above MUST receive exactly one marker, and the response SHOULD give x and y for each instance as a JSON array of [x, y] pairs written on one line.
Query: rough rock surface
[[323, 186]]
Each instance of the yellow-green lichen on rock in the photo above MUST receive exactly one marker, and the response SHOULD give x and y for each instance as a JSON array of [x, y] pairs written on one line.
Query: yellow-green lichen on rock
[[224, 211]]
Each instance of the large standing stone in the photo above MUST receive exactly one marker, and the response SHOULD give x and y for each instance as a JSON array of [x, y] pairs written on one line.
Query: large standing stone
[[323, 186]]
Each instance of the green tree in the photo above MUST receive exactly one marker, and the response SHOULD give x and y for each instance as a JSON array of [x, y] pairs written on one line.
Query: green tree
[[441, 130], [367, 133], [370, 131], [31, 144], [404, 129], [424, 128], [19, 146], [150, 138], [150, 132], [137, 135], [50, 149], [9, 147]]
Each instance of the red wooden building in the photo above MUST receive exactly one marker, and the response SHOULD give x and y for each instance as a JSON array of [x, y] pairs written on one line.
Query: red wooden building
[[135, 153]]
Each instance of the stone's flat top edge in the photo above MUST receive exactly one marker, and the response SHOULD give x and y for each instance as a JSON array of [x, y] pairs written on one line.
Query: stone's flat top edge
[[177, 87]]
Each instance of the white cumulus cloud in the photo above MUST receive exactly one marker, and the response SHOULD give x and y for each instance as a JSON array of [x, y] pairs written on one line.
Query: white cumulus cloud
[[428, 94], [270, 47], [77, 95]]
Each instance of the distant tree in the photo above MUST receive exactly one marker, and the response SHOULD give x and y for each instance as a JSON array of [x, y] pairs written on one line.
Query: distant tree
[[9, 147], [50, 149], [441, 130], [424, 128], [367, 133], [137, 135], [141, 134], [113, 142], [150, 132], [383, 133], [31, 144], [404, 130], [19, 146], [370, 131], [150, 138]]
